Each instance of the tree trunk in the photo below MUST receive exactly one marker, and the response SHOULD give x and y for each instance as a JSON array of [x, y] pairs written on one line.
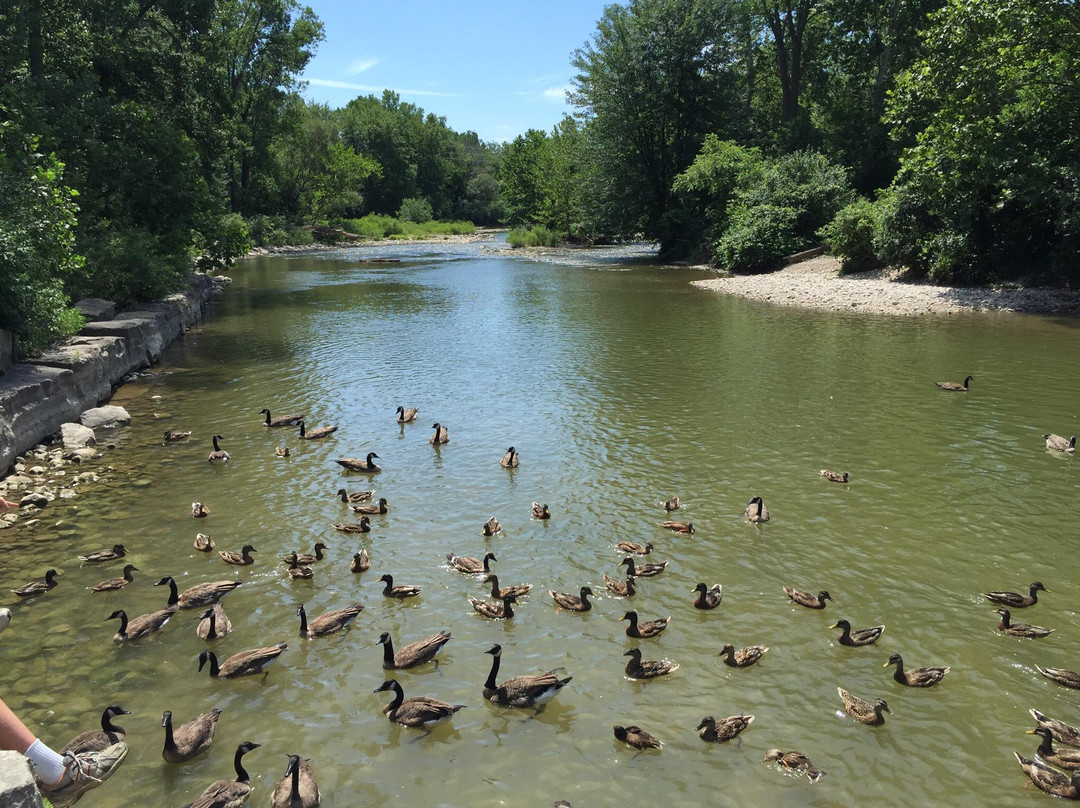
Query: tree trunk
[[35, 48]]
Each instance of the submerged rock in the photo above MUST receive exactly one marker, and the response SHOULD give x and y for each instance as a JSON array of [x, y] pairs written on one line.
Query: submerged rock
[[105, 417]]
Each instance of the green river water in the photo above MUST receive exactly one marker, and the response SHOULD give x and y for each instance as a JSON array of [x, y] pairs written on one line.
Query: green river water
[[620, 384]]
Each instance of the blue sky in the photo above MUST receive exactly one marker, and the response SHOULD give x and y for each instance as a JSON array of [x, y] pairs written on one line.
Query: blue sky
[[496, 68]]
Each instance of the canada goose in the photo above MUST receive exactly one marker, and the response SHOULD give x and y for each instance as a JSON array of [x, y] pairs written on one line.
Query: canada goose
[[953, 387], [858, 636], [400, 591], [1059, 444], [713, 731], [1065, 758], [806, 599], [1050, 780], [496, 611], [521, 691], [199, 511], [327, 622], [214, 623], [670, 505], [470, 565], [742, 657], [644, 570], [318, 432], [491, 527], [637, 668], [634, 548], [297, 787], [636, 737], [171, 436], [37, 587], [1062, 732], [244, 663], [678, 527], [281, 420], [1061, 676], [756, 512], [794, 762], [405, 416], [915, 677], [419, 711], [189, 740], [650, 628], [94, 740], [863, 711], [282, 451], [298, 571], [228, 793], [367, 466], [1006, 626], [624, 589], [441, 436], [540, 511], [510, 460], [413, 654], [241, 559], [219, 455], [356, 496], [372, 509], [361, 561], [573, 603], [363, 526], [98, 557], [142, 626], [307, 558], [500, 592], [835, 476], [1014, 600], [708, 598], [203, 543], [201, 595]]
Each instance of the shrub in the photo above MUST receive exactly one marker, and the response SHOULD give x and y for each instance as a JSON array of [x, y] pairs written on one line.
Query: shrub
[[758, 238], [850, 236], [807, 183], [415, 209], [536, 236], [226, 238]]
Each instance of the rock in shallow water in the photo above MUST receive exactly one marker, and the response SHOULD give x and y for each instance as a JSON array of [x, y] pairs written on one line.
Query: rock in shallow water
[[76, 436], [105, 417]]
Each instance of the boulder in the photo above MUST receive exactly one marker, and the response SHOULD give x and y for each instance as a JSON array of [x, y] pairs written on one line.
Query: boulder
[[34, 500], [94, 308], [76, 436], [105, 417], [17, 788]]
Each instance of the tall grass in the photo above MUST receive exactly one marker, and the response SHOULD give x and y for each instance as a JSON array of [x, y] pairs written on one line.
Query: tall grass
[[378, 226], [537, 236]]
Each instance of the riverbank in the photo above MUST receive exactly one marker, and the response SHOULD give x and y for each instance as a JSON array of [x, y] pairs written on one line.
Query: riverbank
[[816, 284], [481, 234]]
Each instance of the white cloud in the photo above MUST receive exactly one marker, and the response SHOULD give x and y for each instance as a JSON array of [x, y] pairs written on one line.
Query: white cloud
[[556, 93], [360, 65], [372, 88]]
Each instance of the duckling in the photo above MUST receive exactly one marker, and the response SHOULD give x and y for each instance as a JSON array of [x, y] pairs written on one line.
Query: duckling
[[650, 628], [1019, 629], [282, 420], [244, 663], [282, 451], [573, 603], [496, 611], [219, 455], [171, 436], [189, 740], [1050, 780], [37, 587], [214, 624], [1065, 758], [241, 559], [298, 571], [953, 387], [713, 731], [636, 737], [863, 711], [327, 622], [1062, 732], [491, 527], [366, 466], [441, 436], [644, 570], [742, 657], [141, 626], [203, 543], [1059, 444], [401, 591], [916, 677], [199, 511], [308, 558], [510, 460], [678, 527], [756, 512], [708, 597], [405, 416], [634, 548], [806, 599], [835, 476], [201, 595], [533, 690], [317, 433], [356, 496], [419, 711], [499, 592], [470, 565], [381, 508], [1061, 676], [361, 562], [670, 505], [540, 511], [363, 526], [859, 636], [794, 762], [228, 793], [100, 556], [413, 654], [623, 589], [95, 740], [1014, 600], [637, 668], [297, 787]]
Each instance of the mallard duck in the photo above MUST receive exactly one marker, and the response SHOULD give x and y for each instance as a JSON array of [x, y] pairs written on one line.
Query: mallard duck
[[670, 505], [1059, 444], [228, 793], [496, 611], [199, 511], [540, 511], [470, 565], [634, 548], [400, 591], [100, 556], [282, 451], [244, 663], [858, 636], [219, 455], [297, 787], [713, 731], [413, 654], [441, 435], [953, 387], [573, 603], [756, 512], [1062, 732], [142, 626], [361, 561], [708, 598], [214, 623], [298, 571], [835, 476], [636, 737], [522, 691], [806, 599], [281, 420], [1061, 676], [1014, 600], [644, 570], [405, 416], [363, 526], [624, 589], [203, 543], [1065, 758], [678, 527], [863, 711], [189, 740], [112, 584], [637, 668], [491, 527], [94, 740], [500, 592], [201, 595], [318, 432], [1050, 780], [241, 559], [171, 436], [510, 460], [381, 508], [742, 657], [366, 466], [37, 587], [1006, 626], [327, 622], [356, 496], [316, 554], [649, 628], [794, 762], [916, 677], [419, 711]]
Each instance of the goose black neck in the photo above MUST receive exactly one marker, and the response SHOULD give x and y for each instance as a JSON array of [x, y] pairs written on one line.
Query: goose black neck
[[302, 431], [107, 726], [267, 417], [495, 586], [212, 633], [495, 662], [294, 792], [241, 775], [486, 562], [170, 742], [508, 612], [216, 447], [123, 624], [760, 505], [388, 653], [214, 669], [303, 619], [174, 597], [399, 696]]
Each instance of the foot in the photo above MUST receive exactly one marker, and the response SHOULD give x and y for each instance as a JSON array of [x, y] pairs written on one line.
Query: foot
[[83, 772]]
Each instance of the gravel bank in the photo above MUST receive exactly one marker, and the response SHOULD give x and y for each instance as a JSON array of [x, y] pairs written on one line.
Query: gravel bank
[[815, 284]]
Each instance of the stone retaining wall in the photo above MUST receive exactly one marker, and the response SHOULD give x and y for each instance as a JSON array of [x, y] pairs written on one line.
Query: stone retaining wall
[[17, 789]]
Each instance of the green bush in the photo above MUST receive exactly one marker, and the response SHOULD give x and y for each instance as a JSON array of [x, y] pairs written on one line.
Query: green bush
[[415, 209], [226, 238], [536, 236], [758, 238], [850, 236], [807, 183], [377, 226]]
